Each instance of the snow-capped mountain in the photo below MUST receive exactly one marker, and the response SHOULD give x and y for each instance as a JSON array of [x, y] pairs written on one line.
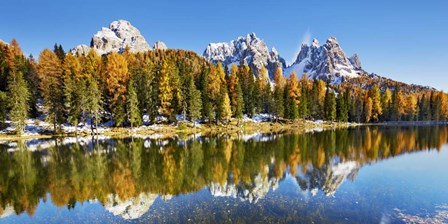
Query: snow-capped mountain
[[327, 62], [249, 50], [116, 38]]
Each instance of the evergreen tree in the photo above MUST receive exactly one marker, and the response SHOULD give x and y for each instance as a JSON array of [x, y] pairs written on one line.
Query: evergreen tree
[[3, 109], [239, 103], [397, 105], [247, 84], [195, 102], [18, 96], [279, 107], [134, 116], [59, 51], [342, 106], [436, 106], [73, 88], [330, 105], [232, 83], [94, 103]]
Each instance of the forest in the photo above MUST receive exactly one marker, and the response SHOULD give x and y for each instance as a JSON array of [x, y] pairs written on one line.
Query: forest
[[131, 89]]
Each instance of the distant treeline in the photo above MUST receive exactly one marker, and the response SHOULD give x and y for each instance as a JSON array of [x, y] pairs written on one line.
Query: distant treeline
[[124, 87]]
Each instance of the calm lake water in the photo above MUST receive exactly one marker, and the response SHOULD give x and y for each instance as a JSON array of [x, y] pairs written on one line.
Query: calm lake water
[[357, 175]]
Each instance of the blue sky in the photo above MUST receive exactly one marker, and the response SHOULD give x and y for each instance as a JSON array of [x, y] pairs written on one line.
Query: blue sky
[[403, 40]]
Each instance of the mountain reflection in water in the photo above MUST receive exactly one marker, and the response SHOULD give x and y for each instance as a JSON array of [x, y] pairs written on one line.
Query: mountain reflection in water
[[127, 175]]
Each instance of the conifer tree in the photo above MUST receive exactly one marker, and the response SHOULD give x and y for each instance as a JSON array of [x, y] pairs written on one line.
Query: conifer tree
[[165, 89], [194, 101], [386, 102], [435, 106], [375, 96], [239, 103], [279, 107], [396, 110], [342, 106], [133, 112], [94, 103], [368, 107], [117, 78], [224, 111], [294, 90], [330, 105], [50, 75], [3, 109], [232, 83], [73, 88], [18, 96]]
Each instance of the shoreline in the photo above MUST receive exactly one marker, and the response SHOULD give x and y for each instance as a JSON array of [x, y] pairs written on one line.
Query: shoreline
[[169, 130]]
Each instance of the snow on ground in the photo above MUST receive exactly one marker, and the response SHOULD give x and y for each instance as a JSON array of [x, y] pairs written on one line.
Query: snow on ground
[[257, 118]]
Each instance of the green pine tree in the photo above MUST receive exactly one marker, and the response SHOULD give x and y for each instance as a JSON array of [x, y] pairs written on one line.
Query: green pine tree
[[133, 112], [194, 102], [18, 96], [94, 103], [330, 105]]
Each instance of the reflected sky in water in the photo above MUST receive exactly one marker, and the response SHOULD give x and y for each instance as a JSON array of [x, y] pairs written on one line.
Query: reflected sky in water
[[357, 175]]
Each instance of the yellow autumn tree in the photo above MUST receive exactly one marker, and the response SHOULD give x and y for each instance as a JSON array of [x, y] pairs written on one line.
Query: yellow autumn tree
[[294, 89], [50, 75], [165, 89], [117, 78]]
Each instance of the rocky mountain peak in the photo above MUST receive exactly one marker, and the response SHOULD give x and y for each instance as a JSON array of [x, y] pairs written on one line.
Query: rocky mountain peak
[[315, 43], [327, 62], [160, 45], [356, 62], [116, 38], [249, 50]]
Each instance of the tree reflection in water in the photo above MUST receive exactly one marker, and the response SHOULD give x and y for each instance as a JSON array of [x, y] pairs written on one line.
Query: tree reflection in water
[[127, 175]]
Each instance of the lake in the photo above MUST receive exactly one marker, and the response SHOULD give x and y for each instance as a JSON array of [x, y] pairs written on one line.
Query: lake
[[357, 175]]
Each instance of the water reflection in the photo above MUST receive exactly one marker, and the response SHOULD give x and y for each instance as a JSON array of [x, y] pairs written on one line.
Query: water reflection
[[127, 175]]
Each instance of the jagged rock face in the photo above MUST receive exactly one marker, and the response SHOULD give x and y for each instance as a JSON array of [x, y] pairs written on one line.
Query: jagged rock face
[[249, 50], [81, 49], [132, 208], [117, 37], [356, 62], [327, 62], [159, 45]]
